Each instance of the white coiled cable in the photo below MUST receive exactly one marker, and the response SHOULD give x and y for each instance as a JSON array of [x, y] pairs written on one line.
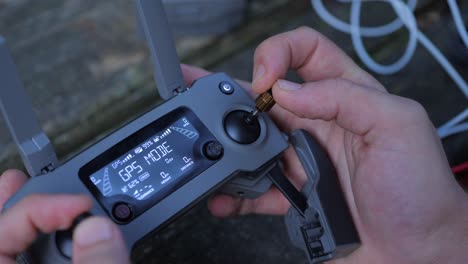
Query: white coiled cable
[[405, 18]]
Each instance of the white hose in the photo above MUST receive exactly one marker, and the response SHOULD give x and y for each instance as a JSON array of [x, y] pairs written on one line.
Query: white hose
[[405, 17], [458, 21], [453, 130], [356, 36], [365, 31]]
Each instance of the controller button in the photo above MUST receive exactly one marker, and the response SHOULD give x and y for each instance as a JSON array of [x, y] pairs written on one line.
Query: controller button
[[122, 212], [213, 150], [241, 129], [226, 88]]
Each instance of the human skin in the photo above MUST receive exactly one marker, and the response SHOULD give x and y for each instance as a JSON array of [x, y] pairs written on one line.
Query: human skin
[[96, 240], [403, 198], [405, 202]]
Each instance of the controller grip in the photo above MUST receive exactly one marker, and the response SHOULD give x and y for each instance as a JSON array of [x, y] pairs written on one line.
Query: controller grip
[[52, 248], [43, 250], [327, 230], [250, 185]]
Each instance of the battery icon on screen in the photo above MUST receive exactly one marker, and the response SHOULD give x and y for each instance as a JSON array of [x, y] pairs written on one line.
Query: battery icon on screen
[[138, 150]]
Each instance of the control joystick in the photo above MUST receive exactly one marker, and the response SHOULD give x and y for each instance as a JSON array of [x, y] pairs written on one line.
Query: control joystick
[[152, 170], [240, 128], [63, 238]]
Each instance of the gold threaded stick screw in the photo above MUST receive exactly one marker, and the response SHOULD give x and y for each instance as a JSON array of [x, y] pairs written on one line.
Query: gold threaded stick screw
[[263, 103]]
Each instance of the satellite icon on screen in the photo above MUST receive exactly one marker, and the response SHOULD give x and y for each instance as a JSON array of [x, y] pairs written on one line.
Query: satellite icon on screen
[[129, 157]]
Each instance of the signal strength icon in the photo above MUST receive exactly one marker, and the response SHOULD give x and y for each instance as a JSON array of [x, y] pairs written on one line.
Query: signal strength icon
[[166, 133], [129, 157]]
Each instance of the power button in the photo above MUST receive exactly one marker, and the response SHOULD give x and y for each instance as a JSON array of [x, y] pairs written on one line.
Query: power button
[[226, 88]]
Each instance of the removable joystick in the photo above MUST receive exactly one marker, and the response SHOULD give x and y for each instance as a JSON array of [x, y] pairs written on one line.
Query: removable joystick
[[64, 239], [241, 128]]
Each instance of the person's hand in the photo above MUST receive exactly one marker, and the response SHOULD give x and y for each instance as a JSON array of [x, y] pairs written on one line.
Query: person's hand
[[95, 240], [405, 202]]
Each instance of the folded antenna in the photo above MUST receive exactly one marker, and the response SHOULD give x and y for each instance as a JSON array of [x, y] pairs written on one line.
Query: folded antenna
[[167, 71], [34, 146]]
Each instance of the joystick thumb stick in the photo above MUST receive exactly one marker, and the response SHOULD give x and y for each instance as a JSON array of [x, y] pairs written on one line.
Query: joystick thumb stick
[[241, 128]]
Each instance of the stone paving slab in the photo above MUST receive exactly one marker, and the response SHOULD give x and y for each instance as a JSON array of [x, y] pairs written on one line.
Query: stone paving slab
[[90, 60], [94, 62]]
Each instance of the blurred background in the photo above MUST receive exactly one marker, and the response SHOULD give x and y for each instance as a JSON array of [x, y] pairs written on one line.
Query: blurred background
[[87, 70]]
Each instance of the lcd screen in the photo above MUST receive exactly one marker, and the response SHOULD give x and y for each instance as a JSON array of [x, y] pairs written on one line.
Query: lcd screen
[[151, 163], [156, 162]]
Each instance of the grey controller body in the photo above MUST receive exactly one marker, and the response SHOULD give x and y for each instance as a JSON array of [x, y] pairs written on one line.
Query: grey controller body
[[210, 105], [156, 167], [327, 230]]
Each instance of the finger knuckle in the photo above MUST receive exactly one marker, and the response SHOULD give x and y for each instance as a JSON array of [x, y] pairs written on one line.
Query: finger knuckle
[[414, 109], [33, 198], [266, 45], [11, 173], [305, 30], [407, 111]]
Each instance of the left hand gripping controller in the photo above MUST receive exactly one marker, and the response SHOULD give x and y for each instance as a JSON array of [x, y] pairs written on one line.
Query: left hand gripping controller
[[209, 104]]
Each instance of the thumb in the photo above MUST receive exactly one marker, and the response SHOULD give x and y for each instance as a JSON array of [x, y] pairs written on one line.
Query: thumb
[[358, 109], [97, 240]]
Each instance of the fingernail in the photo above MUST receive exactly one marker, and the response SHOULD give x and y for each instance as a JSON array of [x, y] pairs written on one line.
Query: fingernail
[[258, 72], [92, 231], [287, 85]]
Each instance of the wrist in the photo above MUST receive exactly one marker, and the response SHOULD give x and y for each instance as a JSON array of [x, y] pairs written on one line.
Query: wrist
[[453, 248]]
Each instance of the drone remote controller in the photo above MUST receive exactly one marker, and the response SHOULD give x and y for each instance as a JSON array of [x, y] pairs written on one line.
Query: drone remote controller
[[153, 169]]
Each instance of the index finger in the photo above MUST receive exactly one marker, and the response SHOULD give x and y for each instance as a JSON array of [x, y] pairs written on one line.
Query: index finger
[[310, 54], [10, 182], [20, 225]]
